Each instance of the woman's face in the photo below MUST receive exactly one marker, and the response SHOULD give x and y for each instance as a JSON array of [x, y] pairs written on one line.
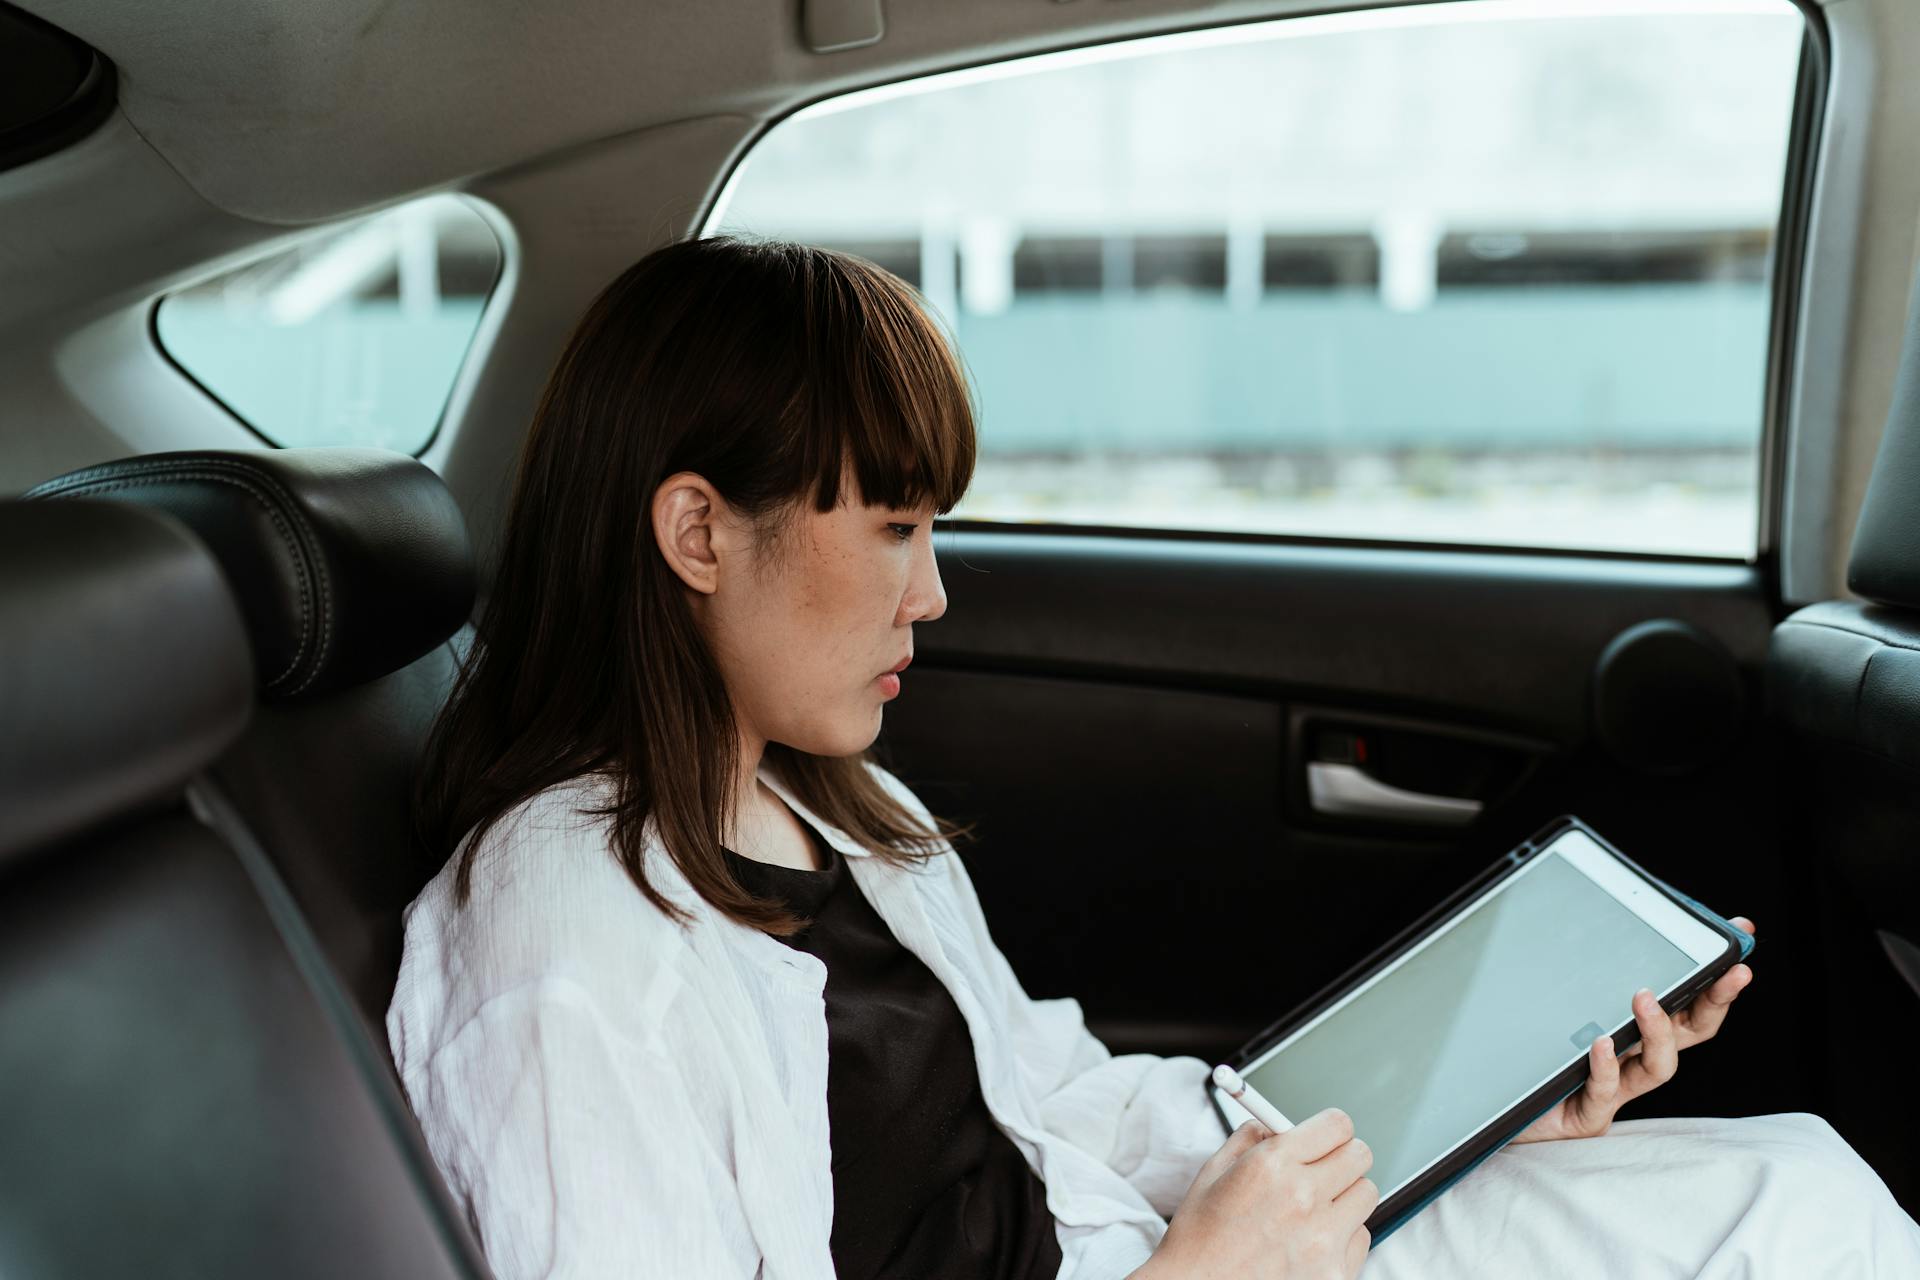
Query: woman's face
[[804, 621]]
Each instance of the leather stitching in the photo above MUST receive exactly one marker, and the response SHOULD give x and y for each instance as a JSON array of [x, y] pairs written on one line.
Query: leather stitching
[[1859, 693], [112, 476], [1851, 631]]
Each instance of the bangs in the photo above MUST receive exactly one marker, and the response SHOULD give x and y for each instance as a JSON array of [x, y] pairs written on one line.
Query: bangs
[[883, 394]]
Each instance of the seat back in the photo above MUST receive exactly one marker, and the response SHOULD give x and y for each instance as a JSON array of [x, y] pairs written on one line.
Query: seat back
[[184, 1091], [1843, 679], [353, 569]]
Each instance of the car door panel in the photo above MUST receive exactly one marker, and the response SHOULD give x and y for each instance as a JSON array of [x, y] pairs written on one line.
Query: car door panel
[[1129, 722]]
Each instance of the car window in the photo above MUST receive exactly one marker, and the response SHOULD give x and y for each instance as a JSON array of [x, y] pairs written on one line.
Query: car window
[[351, 337], [1487, 273]]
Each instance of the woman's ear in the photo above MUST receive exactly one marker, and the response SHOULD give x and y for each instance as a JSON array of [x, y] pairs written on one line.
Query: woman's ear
[[686, 510]]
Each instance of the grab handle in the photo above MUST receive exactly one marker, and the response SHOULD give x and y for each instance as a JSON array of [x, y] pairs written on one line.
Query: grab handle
[[1347, 791]]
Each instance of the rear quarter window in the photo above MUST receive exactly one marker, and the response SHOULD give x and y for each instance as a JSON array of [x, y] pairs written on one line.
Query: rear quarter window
[[351, 337]]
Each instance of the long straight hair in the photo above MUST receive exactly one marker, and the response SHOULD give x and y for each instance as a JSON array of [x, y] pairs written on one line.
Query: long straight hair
[[768, 368]]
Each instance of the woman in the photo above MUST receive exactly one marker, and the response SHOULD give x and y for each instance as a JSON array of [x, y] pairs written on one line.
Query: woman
[[702, 991]]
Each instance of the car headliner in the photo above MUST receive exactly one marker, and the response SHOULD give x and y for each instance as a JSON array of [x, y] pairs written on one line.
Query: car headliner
[[293, 113]]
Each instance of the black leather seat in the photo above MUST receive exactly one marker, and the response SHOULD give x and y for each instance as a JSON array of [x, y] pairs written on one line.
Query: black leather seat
[[353, 569], [1843, 677], [184, 1088]]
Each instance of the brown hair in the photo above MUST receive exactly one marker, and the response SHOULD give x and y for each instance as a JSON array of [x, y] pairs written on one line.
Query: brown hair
[[769, 368]]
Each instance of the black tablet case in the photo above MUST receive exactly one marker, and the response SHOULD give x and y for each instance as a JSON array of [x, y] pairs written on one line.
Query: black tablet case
[[1410, 1199]]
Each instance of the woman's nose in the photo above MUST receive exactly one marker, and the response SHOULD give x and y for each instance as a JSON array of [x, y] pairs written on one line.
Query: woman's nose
[[926, 597]]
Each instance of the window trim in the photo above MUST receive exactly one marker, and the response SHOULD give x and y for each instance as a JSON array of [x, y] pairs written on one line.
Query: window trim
[[487, 304], [1786, 269], [1791, 253], [1153, 533]]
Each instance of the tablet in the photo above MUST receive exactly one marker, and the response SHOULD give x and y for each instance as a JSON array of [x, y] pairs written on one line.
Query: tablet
[[1454, 1036]]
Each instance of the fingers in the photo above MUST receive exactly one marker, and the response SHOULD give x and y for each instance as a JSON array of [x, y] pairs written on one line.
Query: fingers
[[1603, 1075], [1358, 1201], [1250, 1134], [1741, 922], [1590, 1111], [1659, 1055], [1699, 1020], [1339, 1168], [1318, 1134], [1357, 1246]]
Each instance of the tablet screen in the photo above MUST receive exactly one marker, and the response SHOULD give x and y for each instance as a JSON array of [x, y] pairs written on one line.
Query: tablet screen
[[1482, 1013]]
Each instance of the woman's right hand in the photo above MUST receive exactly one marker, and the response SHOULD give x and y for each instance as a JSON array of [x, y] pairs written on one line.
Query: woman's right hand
[[1267, 1206]]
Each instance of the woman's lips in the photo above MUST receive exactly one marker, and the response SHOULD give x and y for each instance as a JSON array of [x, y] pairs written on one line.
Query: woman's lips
[[889, 680]]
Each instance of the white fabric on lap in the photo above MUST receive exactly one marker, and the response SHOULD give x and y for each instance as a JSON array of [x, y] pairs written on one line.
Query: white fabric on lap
[[1719, 1199]]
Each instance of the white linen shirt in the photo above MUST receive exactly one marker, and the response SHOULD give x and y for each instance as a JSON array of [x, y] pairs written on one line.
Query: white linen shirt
[[611, 1095]]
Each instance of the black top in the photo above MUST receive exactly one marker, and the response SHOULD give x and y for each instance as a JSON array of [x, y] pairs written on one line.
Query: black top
[[925, 1184]]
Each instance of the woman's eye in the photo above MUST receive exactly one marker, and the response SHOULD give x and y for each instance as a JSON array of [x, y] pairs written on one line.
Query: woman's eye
[[903, 531]]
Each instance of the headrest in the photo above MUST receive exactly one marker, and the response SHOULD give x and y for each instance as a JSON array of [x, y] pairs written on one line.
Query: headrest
[[1885, 562], [348, 563], [124, 665]]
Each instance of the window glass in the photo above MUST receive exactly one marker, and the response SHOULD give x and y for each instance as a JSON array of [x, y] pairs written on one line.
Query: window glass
[[351, 337], [1488, 273]]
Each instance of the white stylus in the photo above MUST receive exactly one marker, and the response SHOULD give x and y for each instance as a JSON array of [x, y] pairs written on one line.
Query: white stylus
[[1249, 1097]]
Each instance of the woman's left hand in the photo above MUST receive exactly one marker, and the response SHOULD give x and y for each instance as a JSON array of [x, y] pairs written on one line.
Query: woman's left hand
[[1612, 1082]]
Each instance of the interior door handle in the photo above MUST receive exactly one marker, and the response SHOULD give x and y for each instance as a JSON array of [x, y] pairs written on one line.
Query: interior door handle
[[1347, 791]]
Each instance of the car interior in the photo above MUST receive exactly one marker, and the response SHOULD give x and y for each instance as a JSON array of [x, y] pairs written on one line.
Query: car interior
[[1364, 483]]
